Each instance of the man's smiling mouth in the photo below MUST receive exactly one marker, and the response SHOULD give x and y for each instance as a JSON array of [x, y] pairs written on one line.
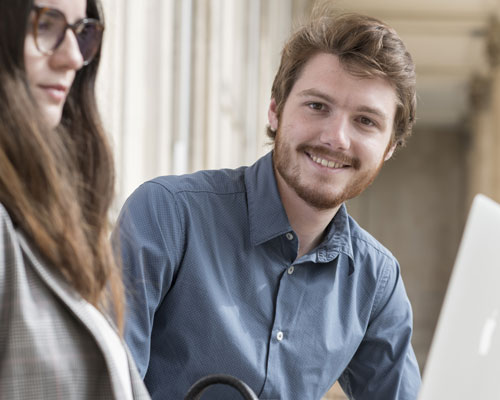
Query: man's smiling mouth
[[326, 163]]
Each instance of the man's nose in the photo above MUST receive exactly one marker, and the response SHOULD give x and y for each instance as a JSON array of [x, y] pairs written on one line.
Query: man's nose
[[335, 133]]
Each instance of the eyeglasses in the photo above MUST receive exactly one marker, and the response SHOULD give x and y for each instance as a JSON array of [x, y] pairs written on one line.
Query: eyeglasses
[[49, 30]]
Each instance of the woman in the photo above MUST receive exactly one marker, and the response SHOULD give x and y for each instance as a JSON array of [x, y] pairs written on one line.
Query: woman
[[56, 185]]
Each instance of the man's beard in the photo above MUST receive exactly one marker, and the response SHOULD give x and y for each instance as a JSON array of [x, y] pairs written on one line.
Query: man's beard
[[318, 196]]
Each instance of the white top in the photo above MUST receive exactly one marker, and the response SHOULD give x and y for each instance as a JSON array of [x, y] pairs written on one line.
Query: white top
[[116, 349]]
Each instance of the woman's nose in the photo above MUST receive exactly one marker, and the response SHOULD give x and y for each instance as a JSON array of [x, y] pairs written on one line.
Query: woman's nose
[[68, 54]]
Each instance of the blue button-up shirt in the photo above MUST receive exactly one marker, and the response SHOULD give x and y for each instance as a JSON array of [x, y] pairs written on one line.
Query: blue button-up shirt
[[214, 286]]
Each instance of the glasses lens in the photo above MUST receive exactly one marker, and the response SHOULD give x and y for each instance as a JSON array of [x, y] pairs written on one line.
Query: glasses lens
[[50, 30], [89, 35]]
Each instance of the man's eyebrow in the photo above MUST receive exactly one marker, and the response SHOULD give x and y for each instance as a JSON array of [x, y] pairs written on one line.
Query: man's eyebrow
[[316, 93], [367, 109], [374, 111]]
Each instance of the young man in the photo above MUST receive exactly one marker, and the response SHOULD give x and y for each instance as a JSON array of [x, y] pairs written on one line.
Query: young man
[[259, 272]]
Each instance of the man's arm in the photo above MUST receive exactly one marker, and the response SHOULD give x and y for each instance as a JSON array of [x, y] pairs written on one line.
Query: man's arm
[[384, 366], [148, 239]]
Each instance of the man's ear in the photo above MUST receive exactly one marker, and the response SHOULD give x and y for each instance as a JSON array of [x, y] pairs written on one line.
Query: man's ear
[[272, 115], [390, 151]]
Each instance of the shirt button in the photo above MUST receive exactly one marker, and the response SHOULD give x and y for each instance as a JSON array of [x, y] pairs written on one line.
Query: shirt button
[[290, 270], [289, 236], [279, 336]]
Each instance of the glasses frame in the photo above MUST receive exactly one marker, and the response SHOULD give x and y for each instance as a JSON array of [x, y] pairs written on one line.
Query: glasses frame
[[39, 11]]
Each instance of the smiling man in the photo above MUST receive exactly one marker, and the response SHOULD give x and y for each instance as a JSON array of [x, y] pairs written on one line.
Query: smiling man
[[259, 272], [333, 135]]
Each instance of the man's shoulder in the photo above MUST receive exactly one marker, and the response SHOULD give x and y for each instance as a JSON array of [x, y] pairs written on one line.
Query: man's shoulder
[[219, 181], [364, 242], [165, 194]]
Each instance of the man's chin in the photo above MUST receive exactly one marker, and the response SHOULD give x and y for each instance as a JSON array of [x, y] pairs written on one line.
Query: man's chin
[[320, 201]]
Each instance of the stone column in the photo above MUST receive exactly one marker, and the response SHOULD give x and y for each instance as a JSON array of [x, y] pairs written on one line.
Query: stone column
[[185, 84], [484, 154], [494, 55]]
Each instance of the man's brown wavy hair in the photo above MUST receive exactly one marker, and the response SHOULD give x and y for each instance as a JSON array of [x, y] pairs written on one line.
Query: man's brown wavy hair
[[366, 48], [58, 184]]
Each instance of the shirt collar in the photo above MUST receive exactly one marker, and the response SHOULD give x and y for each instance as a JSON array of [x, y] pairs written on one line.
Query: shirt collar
[[268, 219], [266, 214], [338, 236]]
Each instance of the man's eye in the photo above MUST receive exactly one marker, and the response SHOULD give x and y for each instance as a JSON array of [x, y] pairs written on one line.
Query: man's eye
[[366, 121], [316, 106]]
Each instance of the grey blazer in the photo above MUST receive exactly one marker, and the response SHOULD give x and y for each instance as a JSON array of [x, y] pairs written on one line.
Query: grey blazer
[[49, 348]]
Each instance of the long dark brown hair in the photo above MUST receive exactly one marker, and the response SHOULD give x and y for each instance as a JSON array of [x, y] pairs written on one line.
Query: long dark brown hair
[[58, 184]]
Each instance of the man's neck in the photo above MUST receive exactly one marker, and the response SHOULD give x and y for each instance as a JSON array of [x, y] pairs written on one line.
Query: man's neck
[[308, 222]]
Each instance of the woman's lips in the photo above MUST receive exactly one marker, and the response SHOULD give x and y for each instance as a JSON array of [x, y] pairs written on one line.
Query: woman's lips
[[55, 92]]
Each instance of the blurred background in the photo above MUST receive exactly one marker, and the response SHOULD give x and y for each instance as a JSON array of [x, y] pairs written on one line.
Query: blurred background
[[185, 85]]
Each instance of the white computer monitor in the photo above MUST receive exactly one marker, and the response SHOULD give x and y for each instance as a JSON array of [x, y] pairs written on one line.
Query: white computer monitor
[[464, 358]]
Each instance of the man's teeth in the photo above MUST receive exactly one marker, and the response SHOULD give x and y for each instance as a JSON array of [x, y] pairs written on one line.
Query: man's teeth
[[326, 163]]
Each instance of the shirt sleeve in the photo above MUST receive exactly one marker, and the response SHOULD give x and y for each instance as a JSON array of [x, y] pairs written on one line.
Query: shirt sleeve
[[149, 240], [385, 366]]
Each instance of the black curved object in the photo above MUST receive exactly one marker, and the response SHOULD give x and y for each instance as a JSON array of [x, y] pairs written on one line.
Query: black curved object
[[195, 391]]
